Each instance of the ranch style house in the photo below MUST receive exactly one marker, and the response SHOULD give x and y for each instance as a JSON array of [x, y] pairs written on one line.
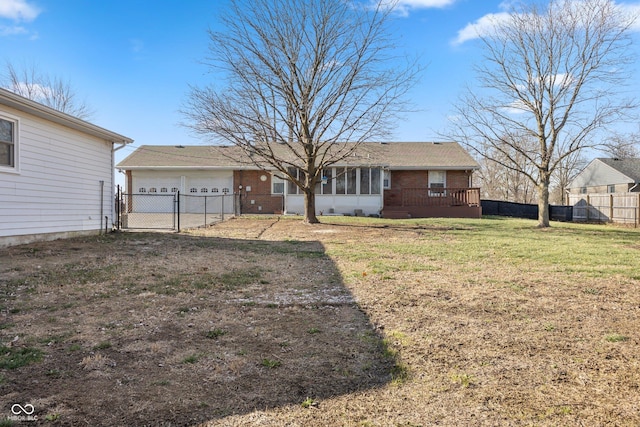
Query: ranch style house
[[393, 180]]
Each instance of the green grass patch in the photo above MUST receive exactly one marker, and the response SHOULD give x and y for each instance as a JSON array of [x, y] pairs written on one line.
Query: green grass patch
[[216, 333], [270, 363], [616, 338], [15, 357]]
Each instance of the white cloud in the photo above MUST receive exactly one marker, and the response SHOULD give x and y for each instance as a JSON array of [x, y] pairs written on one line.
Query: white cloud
[[404, 7], [423, 4], [18, 10], [632, 11], [480, 28], [486, 23], [12, 31]]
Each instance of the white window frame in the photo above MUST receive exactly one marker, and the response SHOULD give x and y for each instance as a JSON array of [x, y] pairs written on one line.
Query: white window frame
[[275, 179], [441, 180], [386, 179], [15, 168]]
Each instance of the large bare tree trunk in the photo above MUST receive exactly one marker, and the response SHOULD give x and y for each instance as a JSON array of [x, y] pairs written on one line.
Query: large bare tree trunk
[[543, 203], [310, 207]]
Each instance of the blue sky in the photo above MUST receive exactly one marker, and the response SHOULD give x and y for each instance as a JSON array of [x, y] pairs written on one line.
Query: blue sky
[[133, 60]]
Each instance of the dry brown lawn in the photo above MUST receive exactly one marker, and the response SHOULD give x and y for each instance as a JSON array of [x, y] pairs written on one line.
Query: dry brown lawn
[[270, 322]]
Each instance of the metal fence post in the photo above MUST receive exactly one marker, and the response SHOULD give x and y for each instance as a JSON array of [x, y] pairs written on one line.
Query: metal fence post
[[178, 209], [118, 207]]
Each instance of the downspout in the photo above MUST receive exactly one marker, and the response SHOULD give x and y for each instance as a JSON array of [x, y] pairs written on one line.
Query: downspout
[[634, 187], [101, 203]]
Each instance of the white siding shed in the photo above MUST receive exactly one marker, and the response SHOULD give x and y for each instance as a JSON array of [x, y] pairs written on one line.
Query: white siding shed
[[56, 173]]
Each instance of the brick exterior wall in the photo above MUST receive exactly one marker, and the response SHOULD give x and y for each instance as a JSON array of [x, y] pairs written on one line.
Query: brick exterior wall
[[259, 200]]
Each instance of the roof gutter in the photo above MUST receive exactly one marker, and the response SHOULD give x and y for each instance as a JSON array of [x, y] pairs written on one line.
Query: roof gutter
[[23, 104]]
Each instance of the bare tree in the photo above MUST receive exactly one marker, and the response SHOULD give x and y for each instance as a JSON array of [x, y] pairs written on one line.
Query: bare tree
[[554, 73], [299, 78], [623, 146], [567, 168], [505, 183], [51, 91]]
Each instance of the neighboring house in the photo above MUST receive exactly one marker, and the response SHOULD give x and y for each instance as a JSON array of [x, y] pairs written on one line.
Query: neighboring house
[[605, 175], [396, 179], [56, 173]]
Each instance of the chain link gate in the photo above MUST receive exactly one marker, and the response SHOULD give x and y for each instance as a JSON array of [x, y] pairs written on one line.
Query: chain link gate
[[172, 211], [146, 210]]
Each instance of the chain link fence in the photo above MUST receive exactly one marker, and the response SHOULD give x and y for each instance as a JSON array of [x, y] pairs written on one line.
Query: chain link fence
[[172, 211]]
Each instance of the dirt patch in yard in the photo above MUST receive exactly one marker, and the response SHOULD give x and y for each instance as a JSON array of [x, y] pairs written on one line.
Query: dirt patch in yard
[[162, 329], [353, 322]]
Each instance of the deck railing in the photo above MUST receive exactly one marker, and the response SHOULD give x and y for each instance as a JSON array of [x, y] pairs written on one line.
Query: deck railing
[[426, 197]]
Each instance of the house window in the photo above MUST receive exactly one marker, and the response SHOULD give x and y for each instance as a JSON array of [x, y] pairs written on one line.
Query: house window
[[583, 190], [386, 179], [193, 190], [277, 184], [611, 188], [437, 183], [174, 189], [142, 190], [153, 190], [346, 179], [326, 181], [292, 188], [204, 190], [7, 143], [163, 190], [369, 180]]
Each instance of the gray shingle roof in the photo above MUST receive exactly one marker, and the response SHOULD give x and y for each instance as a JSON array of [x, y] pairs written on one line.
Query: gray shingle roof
[[395, 155], [628, 167]]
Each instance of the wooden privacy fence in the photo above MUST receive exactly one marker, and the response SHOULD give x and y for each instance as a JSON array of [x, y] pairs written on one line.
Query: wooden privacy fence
[[606, 207]]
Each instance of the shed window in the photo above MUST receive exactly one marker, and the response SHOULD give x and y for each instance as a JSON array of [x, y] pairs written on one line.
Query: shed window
[[225, 190], [193, 190], [163, 190], [142, 190], [204, 190], [215, 190], [7, 143], [153, 190]]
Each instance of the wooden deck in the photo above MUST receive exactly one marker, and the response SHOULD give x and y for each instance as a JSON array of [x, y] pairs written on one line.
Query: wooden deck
[[427, 203]]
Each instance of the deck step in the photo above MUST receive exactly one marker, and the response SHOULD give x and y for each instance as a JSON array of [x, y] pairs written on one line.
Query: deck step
[[394, 214]]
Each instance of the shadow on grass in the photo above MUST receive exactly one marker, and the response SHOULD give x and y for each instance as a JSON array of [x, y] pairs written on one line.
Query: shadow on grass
[[163, 329]]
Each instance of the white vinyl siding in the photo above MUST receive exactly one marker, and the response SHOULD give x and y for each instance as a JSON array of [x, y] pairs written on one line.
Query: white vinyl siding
[[62, 174]]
